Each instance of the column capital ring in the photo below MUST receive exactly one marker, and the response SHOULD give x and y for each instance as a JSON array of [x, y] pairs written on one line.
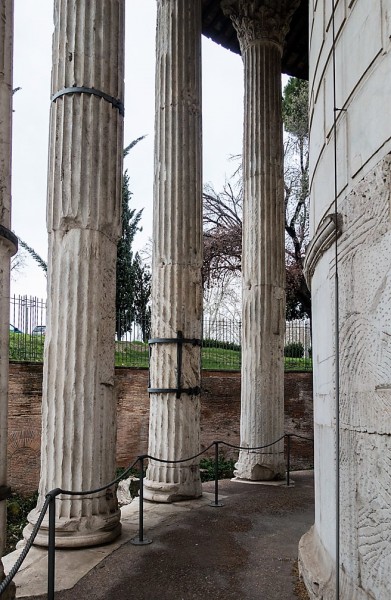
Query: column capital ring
[[260, 20]]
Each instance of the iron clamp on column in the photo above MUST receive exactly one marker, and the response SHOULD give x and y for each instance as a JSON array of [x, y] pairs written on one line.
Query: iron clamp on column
[[179, 341], [10, 239]]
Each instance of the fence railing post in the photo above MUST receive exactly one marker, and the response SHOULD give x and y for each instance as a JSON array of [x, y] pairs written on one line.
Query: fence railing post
[[140, 540], [216, 502], [288, 458]]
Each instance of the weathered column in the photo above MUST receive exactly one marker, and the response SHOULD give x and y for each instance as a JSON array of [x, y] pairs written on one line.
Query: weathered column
[[261, 26], [177, 255], [8, 247], [83, 218]]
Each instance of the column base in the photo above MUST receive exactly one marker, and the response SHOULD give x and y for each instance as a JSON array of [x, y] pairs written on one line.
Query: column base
[[160, 491], [255, 467], [81, 532], [317, 569], [10, 592]]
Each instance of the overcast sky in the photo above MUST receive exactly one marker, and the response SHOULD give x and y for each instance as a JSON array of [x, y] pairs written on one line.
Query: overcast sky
[[222, 120]]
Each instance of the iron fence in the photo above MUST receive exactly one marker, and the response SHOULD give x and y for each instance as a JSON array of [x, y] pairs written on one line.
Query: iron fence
[[298, 346], [221, 339], [27, 328]]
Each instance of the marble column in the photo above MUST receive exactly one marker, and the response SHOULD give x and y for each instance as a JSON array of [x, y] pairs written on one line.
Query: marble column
[[8, 247], [261, 26], [177, 255], [83, 219]]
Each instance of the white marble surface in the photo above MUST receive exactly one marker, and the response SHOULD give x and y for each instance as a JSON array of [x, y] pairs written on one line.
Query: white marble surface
[[174, 426], [261, 28], [83, 220]]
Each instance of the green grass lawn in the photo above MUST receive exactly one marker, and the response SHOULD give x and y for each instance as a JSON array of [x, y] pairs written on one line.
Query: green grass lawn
[[218, 358], [298, 364], [29, 348], [25, 347], [131, 354]]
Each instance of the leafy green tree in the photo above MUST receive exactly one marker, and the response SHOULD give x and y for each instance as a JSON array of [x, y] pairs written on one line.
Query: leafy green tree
[[295, 117], [295, 110]]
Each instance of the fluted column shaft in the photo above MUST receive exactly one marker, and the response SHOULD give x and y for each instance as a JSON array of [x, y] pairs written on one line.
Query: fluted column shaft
[[83, 220], [177, 252], [8, 247], [261, 26]]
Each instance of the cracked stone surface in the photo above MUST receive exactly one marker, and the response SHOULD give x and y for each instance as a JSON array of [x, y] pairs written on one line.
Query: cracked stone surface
[[174, 426], [83, 220], [260, 27]]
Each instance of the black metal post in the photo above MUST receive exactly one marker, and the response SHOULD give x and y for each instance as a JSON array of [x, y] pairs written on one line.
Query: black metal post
[[140, 540], [141, 500], [288, 459], [52, 546], [216, 501]]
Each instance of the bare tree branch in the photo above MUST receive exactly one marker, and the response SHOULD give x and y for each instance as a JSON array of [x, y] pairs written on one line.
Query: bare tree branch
[[223, 211]]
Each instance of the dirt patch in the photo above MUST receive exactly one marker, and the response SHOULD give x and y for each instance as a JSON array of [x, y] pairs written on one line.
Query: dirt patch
[[300, 589]]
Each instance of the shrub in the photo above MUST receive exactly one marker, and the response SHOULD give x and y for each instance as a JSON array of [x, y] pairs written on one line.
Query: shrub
[[18, 507], [225, 468], [294, 350], [210, 343]]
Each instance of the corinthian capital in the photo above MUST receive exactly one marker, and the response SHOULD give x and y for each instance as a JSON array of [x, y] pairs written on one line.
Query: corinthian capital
[[256, 20]]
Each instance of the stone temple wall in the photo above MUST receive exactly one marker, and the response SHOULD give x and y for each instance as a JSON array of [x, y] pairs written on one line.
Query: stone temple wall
[[220, 416], [363, 88]]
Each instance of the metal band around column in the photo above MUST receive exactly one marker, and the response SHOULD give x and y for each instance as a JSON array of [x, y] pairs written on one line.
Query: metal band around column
[[94, 92], [8, 235], [179, 340]]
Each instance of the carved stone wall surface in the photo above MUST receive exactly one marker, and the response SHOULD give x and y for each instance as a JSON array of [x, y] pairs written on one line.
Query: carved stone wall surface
[[83, 219], [177, 253], [365, 398], [350, 152], [365, 375]]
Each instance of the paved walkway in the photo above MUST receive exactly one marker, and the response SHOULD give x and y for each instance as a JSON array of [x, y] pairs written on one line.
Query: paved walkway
[[245, 550]]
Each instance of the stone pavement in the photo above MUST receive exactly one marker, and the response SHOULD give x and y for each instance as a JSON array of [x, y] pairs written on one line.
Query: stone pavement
[[245, 550]]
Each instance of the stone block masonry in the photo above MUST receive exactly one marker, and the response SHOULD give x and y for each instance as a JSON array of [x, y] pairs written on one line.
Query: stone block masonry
[[220, 417]]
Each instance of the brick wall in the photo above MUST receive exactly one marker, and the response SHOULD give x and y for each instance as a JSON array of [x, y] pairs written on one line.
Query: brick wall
[[24, 426], [220, 417]]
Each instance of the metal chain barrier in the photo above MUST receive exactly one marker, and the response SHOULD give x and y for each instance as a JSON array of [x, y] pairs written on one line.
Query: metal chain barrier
[[140, 539]]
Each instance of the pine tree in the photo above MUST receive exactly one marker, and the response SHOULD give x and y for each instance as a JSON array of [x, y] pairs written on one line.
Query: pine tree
[[133, 287], [125, 287], [34, 255], [141, 295]]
